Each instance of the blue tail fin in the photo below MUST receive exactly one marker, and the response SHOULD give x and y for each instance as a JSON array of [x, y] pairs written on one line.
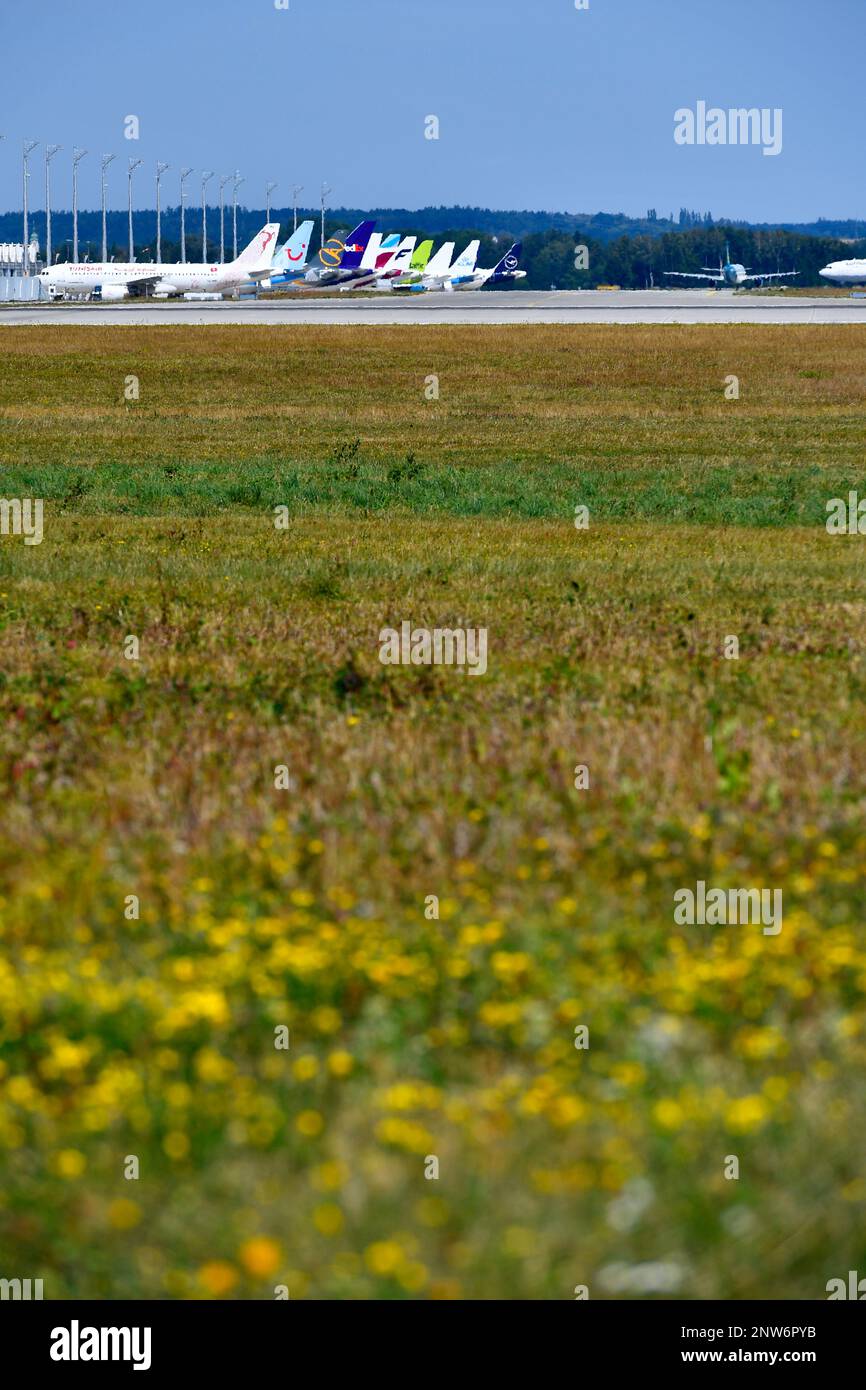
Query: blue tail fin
[[510, 260], [356, 245], [292, 255]]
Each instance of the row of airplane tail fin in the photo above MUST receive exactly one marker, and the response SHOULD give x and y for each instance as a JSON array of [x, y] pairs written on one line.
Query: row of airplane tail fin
[[364, 258], [368, 259]]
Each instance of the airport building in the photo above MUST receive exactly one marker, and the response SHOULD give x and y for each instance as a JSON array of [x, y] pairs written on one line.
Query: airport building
[[12, 257], [15, 286]]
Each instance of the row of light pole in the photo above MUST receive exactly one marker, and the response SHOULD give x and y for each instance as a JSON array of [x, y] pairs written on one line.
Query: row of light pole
[[78, 154], [235, 179]]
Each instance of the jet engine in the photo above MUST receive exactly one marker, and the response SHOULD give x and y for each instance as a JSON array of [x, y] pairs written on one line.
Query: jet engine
[[111, 292]]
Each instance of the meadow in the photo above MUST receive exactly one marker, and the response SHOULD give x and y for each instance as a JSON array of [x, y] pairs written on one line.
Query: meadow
[[168, 904]]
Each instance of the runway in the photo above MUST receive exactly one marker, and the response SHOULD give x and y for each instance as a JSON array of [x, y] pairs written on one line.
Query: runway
[[481, 307]]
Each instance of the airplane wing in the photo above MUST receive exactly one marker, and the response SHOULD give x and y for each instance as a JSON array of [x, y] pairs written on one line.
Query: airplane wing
[[695, 275], [140, 284], [774, 275]]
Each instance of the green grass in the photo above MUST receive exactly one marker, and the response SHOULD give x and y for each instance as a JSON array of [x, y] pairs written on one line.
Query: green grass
[[631, 421], [414, 1036]]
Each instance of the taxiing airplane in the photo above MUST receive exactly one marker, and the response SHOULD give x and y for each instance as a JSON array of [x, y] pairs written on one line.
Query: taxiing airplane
[[121, 279], [731, 273]]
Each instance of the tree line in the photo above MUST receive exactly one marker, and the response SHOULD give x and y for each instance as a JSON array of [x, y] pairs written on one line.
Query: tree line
[[633, 259]]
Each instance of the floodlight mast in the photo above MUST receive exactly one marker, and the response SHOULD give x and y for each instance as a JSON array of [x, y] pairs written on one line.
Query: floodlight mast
[[207, 175], [298, 188], [184, 175], [50, 152], [160, 170], [131, 168], [326, 189], [106, 160], [77, 156], [28, 147], [238, 180], [268, 191], [224, 179]]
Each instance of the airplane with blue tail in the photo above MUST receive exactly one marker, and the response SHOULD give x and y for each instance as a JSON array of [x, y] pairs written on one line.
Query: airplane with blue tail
[[290, 261], [340, 261], [505, 269], [731, 274], [463, 275]]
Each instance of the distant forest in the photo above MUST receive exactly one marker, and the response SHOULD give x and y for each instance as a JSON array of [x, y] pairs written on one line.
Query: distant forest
[[626, 251]]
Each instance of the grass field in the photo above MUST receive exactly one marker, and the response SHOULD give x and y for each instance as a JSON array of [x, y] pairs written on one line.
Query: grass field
[[413, 1036]]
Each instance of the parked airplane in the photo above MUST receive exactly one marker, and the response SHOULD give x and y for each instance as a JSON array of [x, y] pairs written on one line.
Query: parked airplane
[[389, 264], [341, 260], [731, 273], [505, 269], [435, 270], [380, 250], [380, 255], [845, 272], [398, 270], [120, 279], [462, 275], [400, 263], [439, 274], [290, 262]]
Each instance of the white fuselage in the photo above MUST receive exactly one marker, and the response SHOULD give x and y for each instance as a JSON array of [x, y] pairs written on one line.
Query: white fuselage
[[736, 274], [89, 276], [845, 272], [479, 278]]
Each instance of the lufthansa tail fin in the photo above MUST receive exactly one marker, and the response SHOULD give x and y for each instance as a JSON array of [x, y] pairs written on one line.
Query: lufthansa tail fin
[[511, 259]]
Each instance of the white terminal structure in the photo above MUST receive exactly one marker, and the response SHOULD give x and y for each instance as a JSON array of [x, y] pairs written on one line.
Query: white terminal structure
[[12, 256]]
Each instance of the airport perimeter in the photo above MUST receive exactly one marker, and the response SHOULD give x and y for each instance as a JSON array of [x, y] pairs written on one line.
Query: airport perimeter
[[488, 306]]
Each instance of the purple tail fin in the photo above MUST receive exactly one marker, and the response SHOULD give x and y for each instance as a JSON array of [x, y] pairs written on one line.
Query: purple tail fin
[[356, 245]]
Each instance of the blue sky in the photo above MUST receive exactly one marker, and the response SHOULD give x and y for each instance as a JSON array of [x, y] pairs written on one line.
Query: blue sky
[[540, 105]]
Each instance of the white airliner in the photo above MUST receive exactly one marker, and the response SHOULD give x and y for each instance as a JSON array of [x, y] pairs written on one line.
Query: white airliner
[[440, 274], [505, 269], [845, 272], [435, 271], [388, 263], [463, 275], [112, 280], [731, 274]]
